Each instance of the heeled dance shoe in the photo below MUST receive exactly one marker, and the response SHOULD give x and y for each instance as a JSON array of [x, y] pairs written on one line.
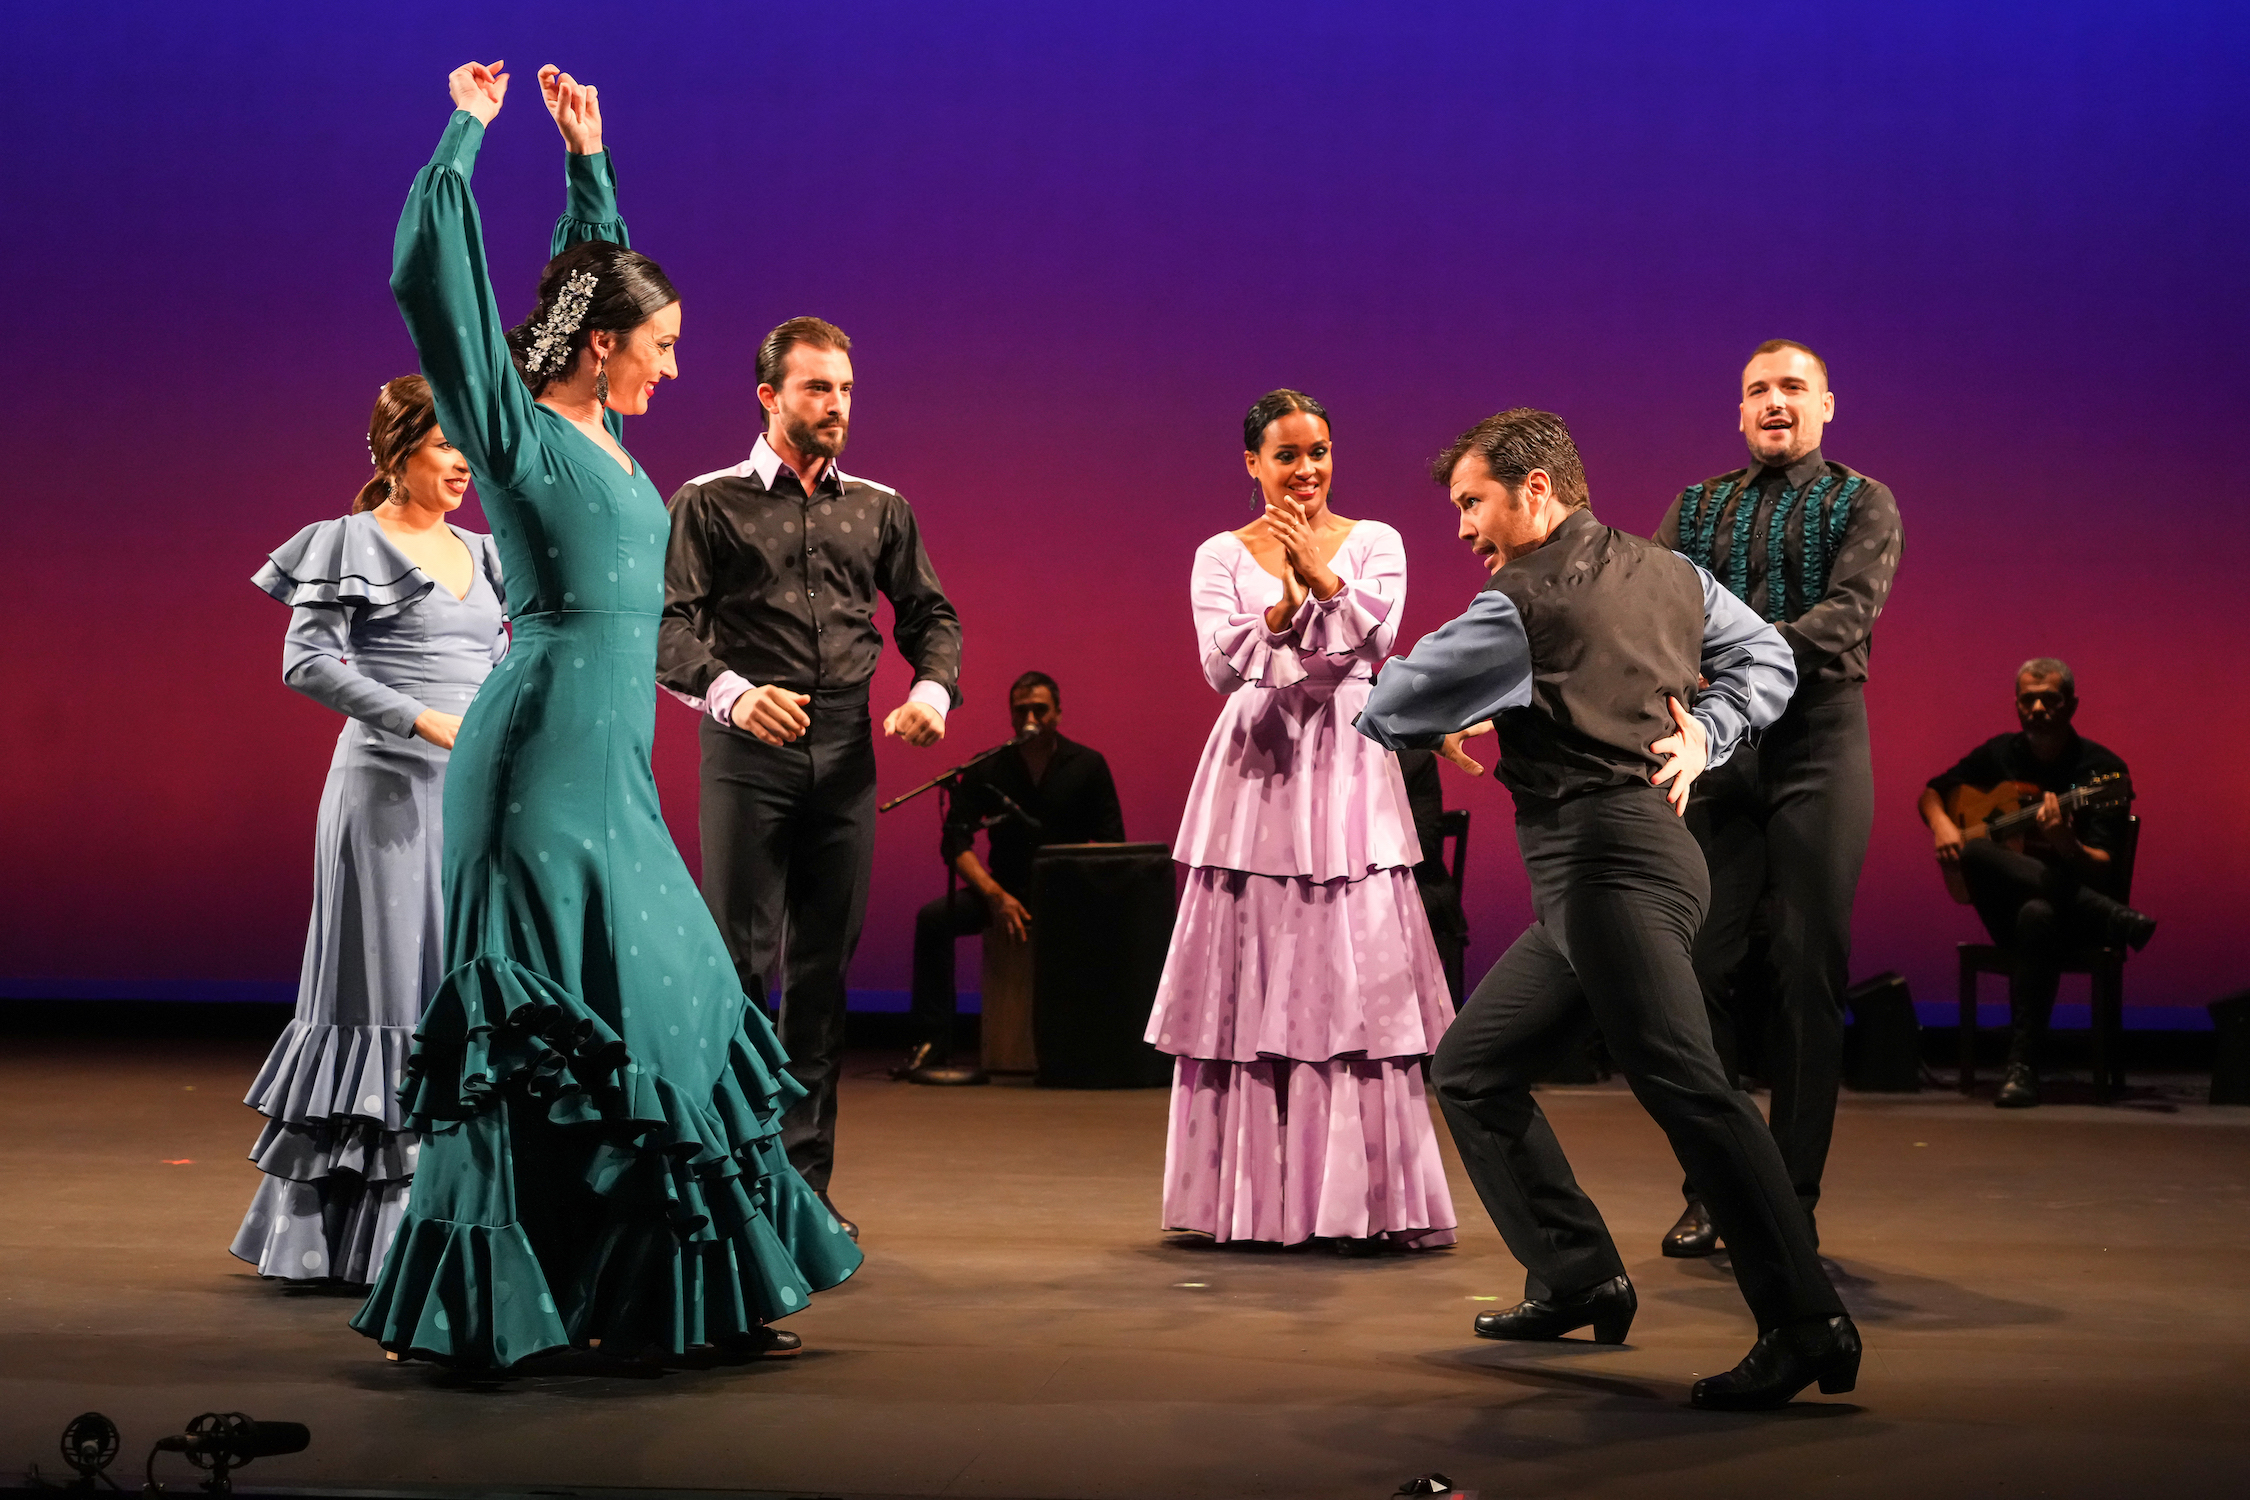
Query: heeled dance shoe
[[1694, 1236], [1782, 1363], [1608, 1307]]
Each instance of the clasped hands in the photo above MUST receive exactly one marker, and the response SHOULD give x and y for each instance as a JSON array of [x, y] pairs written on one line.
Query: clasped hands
[[777, 716], [1305, 575]]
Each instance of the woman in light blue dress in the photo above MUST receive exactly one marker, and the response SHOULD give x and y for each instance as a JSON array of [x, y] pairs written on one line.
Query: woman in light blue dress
[[395, 618]]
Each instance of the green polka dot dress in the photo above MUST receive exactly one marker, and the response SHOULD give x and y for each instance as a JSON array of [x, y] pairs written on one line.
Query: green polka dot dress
[[599, 1104]]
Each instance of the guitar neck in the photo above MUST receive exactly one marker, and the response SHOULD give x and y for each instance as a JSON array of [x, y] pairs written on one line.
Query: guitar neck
[[2008, 823]]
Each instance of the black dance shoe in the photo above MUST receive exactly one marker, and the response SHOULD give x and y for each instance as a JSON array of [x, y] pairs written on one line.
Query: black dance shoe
[[1781, 1364], [2020, 1088], [841, 1222], [1694, 1236], [1609, 1307], [764, 1342], [2132, 928]]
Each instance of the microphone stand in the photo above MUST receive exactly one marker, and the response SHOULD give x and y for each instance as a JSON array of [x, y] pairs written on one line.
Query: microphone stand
[[945, 783]]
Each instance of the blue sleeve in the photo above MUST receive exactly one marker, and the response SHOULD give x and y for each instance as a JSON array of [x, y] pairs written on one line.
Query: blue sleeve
[[316, 661], [1462, 673], [1750, 669]]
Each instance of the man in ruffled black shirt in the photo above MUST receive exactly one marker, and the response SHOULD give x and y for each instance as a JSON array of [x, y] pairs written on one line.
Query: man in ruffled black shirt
[[2064, 892], [1812, 546], [1041, 790], [770, 583]]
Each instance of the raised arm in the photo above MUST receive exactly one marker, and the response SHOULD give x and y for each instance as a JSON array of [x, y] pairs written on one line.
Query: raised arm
[[443, 290], [1459, 675], [1748, 667], [590, 177]]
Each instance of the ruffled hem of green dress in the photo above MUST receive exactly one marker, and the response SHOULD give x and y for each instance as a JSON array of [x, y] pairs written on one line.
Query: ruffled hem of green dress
[[669, 1220]]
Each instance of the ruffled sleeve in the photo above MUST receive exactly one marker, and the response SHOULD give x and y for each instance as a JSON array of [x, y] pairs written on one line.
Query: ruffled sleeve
[[1237, 647], [1361, 618], [332, 575], [1358, 620], [336, 563]]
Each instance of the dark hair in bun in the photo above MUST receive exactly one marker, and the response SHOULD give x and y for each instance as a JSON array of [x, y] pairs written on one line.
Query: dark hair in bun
[[628, 289], [404, 415]]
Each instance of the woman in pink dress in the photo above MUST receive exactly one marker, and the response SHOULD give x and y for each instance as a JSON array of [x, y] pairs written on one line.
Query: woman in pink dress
[[1302, 992]]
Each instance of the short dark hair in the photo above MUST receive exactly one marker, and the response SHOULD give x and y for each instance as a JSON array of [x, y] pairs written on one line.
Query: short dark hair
[[1030, 680], [2050, 666], [1271, 408], [773, 354], [1512, 444], [1775, 346], [404, 414], [629, 289]]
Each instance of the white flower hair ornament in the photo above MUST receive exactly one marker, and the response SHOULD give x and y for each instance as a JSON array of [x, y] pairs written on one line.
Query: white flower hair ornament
[[551, 343]]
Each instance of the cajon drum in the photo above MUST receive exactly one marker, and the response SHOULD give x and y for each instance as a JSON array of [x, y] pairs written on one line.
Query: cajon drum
[[1008, 1046]]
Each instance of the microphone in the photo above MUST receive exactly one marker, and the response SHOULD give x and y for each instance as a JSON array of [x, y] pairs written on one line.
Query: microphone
[[238, 1439]]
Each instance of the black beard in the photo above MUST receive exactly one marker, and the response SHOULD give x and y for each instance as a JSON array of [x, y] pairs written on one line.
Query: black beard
[[813, 442], [1796, 449]]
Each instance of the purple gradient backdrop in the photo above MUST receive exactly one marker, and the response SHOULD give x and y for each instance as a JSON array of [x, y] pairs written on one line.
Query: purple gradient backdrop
[[1072, 249]]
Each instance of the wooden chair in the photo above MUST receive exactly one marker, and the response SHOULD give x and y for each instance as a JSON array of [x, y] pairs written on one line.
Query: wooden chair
[[2104, 969]]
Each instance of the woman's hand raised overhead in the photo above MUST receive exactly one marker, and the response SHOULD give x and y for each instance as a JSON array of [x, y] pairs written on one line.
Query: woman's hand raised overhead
[[479, 89], [577, 108]]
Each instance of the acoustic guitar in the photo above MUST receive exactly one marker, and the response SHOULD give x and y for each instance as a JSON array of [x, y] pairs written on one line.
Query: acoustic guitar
[[2009, 813]]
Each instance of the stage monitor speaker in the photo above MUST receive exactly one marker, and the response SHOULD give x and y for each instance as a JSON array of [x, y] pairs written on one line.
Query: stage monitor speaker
[[1883, 1047], [1102, 914], [2230, 1057]]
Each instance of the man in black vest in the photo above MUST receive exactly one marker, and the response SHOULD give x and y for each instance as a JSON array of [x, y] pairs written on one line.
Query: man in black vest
[[1040, 790], [770, 581], [1812, 547], [1600, 753]]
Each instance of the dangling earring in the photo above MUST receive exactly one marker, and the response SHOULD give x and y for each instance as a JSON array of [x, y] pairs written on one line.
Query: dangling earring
[[1257, 496], [391, 494], [601, 381]]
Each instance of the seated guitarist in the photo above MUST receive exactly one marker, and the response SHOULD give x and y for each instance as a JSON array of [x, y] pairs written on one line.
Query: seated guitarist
[[2057, 895]]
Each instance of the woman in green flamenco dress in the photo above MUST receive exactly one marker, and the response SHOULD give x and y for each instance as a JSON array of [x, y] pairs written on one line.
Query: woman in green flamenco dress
[[598, 1102]]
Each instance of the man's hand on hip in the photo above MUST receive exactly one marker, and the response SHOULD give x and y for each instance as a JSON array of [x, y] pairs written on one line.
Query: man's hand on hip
[[1684, 755]]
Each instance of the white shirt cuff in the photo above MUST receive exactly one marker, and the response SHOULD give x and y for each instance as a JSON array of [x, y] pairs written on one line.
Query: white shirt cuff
[[718, 698], [933, 696]]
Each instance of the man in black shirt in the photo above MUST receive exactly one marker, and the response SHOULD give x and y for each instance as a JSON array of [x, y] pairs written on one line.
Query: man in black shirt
[[769, 628], [1040, 790], [2064, 892], [1812, 546], [1584, 651]]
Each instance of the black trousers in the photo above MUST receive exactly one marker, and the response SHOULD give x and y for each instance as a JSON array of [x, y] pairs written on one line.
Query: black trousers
[[788, 849], [937, 927], [2044, 916], [1619, 888], [1792, 815]]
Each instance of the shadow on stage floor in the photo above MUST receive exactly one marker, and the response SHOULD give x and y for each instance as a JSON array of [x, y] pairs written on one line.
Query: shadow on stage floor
[[2053, 1303]]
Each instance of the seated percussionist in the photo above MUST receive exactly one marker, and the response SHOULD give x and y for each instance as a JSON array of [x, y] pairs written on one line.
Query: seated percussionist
[[1041, 790], [2030, 828]]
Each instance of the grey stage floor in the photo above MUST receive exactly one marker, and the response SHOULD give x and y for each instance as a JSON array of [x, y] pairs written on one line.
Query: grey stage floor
[[2055, 1303]]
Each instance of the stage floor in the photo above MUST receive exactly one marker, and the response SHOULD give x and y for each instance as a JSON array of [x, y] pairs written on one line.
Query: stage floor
[[2055, 1303]]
